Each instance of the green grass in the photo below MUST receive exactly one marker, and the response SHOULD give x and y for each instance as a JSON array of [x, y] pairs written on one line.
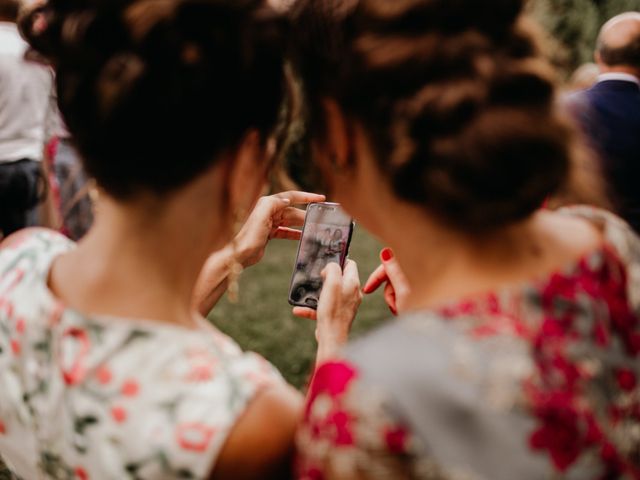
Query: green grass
[[262, 320]]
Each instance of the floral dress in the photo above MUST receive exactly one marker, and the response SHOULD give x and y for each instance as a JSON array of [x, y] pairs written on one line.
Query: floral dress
[[109, 398], [536, 381]]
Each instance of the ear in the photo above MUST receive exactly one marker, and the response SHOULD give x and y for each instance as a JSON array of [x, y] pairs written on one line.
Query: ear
[[598, 59], [247, 173], [338, 141]]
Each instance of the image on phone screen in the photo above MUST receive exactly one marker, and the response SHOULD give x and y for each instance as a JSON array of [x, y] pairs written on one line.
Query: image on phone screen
[[325, 238]]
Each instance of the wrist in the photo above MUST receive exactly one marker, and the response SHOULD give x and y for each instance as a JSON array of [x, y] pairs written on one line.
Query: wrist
[[330, 344], [240, 252]]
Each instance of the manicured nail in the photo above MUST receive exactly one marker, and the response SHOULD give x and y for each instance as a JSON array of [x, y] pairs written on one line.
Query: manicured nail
[[386, 254]]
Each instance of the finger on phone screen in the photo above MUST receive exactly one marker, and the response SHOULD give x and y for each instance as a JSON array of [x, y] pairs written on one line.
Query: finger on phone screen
[[331, 282], [376, 279], [304, 312], [299, 198], [350, 273], [285, 233]]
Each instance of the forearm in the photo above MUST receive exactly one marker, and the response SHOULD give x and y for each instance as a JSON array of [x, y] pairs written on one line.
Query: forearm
[[212, 282]]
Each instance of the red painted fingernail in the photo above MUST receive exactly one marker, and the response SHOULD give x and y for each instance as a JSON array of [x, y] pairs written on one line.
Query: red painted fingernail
[[386, 254]]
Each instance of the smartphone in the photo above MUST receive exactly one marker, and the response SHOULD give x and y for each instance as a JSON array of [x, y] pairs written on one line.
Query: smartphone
[[326, 237]]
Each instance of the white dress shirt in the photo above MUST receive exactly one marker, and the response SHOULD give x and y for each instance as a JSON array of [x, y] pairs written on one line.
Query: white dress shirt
[[624, 77], [25, 91]]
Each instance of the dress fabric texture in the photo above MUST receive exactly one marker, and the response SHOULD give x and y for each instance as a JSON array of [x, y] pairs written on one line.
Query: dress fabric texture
[[534, 381], [85, 397]]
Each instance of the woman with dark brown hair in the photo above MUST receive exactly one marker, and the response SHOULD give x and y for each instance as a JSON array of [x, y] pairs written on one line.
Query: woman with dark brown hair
[[108, 369], [516, 352]]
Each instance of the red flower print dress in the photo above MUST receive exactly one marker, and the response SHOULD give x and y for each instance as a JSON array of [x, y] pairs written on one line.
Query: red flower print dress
[[109, 398], [537, 381]]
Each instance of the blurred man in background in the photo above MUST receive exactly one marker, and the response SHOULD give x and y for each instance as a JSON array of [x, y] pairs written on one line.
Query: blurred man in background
[[609, 112], [25, 89]]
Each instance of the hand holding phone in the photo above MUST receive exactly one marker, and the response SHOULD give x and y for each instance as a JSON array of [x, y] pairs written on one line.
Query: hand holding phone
[[326, 237]]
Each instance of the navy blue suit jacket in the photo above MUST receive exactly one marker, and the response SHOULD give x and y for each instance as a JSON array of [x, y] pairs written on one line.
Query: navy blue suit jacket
[[609, 114]]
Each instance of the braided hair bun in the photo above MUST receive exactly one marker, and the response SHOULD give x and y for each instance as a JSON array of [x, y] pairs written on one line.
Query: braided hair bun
[[153, 90], [454, 94]]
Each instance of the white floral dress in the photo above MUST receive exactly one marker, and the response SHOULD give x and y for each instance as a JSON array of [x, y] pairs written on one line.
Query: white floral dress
[[109, 398]]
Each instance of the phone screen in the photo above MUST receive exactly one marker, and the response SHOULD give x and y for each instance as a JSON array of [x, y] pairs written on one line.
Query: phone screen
[[325, 238]]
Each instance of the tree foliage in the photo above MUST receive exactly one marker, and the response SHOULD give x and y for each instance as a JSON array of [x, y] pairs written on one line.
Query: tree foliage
[[574, 25]]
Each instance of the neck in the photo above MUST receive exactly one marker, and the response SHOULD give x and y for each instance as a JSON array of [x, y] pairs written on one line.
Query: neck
[[140, 262], [443, 264]]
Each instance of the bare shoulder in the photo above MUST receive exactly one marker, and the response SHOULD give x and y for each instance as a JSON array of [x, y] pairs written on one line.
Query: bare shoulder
[[18, 237], [573, 234], [261, 444]]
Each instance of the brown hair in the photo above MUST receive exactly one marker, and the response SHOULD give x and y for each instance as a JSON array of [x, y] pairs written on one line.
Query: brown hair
[[154, 90], [454, 94], [9, 10], [628, 54]]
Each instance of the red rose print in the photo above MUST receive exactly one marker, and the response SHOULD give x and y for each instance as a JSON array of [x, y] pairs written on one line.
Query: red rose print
[[312, 473], [15, 347], [601, 335], [626, 379], [76, 343], [19, 275], [332, 379], [560, 433], [341, 423], [3, 429], [104, 375], [194, 436], [81, 473], [119, 414], [396, 440], [202, 365], [130, 388], [20, 325], [56, 314]]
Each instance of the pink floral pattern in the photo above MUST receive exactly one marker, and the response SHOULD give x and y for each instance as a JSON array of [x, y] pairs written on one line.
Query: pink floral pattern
[[107, 397], [581, 334], [336, 430]]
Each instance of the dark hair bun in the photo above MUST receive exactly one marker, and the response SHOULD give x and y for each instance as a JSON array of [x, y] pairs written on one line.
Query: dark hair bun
[[153, 90], [454, 95]]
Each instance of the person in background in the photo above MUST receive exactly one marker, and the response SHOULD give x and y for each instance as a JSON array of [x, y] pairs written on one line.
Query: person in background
[[108, 368], [70, 205], [584, 77], [73, 188], [517, 351], [609, 112], [25, 88]]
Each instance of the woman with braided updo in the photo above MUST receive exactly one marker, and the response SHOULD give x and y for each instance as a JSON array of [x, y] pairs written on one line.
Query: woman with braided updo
[[516, 352], [107, 371]]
